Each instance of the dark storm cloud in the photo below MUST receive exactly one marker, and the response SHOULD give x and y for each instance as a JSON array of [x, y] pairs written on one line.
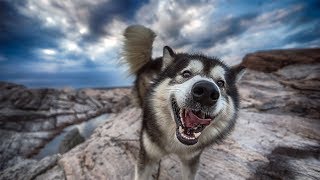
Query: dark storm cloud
[[19, 35], [232, 27], [309, 17], [305, 35], [102, 14]]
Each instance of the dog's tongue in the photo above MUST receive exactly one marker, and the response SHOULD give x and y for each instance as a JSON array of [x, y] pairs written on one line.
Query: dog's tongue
[[191, 120]]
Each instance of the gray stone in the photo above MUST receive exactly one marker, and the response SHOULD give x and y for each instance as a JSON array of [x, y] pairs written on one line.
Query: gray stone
[[56, 173], [13, 126], [48, 124], [65, 120], [80, 108], [33, 126], [273, 60], [30, 118], [20, 144], [298, 72], [29, 169], [96, 102], [81, 116], [71, 139]]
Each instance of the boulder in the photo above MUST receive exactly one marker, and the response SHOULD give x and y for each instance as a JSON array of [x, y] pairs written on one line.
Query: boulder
[[27, 169], [273, 60], [71, 139]]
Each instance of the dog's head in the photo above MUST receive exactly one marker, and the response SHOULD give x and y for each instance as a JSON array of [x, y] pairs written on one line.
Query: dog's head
[[196, 91]]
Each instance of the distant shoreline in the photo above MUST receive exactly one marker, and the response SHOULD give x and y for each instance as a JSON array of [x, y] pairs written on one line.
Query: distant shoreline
[[67, 87], [105, 88]]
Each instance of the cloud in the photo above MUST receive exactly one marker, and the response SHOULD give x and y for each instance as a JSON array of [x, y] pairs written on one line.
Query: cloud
[[20, 34], [58, 31], [230, 31], [104, 13], [69, 37]]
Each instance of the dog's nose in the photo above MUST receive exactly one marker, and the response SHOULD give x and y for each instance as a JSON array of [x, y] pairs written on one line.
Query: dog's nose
[[205, 92]]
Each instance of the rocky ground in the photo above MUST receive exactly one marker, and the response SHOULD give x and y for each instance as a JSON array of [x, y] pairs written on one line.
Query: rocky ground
[[29, 118], [277, 135]]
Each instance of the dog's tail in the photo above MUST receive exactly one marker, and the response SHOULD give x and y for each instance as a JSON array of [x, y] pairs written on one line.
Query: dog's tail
[[137, 50]]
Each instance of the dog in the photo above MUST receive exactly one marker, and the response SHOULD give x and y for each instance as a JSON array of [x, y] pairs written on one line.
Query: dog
[[189, 101]]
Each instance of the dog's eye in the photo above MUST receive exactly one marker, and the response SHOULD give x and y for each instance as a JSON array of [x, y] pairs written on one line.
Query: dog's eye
[[186, 74], [220, 83]]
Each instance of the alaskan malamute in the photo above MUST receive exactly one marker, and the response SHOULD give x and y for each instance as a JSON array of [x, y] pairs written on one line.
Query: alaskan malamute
[[189, 101]]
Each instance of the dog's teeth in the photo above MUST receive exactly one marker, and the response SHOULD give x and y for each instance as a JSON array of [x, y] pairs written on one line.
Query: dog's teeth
[[202, 114], [180, 130], [196, 135]]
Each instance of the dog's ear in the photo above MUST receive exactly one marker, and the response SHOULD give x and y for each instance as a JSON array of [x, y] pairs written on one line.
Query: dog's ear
[[238, 71], [168, 57]]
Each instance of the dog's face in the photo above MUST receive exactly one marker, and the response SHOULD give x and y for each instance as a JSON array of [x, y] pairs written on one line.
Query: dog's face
[[198, 91]]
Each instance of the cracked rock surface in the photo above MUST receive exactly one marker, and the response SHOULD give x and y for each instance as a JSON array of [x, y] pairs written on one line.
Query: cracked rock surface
[[276, 137], [29, 118]]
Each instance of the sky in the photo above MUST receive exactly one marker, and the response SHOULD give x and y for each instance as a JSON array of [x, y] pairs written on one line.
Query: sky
[[77, 43]]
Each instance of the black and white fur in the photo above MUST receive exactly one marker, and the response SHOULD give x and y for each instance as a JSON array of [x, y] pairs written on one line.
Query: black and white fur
[[164, 87]]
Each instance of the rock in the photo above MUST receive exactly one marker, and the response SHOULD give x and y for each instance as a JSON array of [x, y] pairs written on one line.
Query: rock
[[29, 169], [71, 139], [65, 120], [273, 60], [112, 149], [290, 163], [30, 118], [20, 144], [102, 152], [281, 92], [301, 77], [56, 173], [80, 108]]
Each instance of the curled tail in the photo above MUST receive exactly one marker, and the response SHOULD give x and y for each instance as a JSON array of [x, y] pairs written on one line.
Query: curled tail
[[137, 50]]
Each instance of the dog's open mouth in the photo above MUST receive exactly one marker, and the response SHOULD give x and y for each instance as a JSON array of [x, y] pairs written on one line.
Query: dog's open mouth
[[190, 123]]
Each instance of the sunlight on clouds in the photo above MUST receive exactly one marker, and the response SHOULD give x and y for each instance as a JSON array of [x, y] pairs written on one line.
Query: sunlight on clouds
[[197, 23], [50, 21], [107, 49], [274, 19], [46, 54], [69, 46], [100, 50], [72, 19], [83, 30], [48, 51], [175, 22], [233, 50], [59, 65]]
